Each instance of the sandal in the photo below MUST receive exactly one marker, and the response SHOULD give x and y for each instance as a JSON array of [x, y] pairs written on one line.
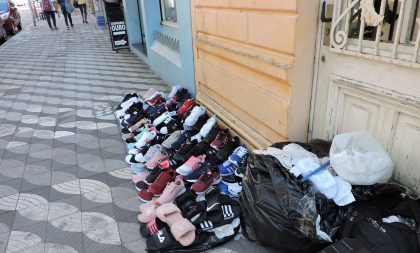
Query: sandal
[[182, 229]]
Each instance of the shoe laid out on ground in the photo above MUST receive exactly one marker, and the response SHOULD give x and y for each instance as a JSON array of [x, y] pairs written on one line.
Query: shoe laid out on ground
[[196, 112], [185, 106], [142, 157], [227, 149], [157, 158], [146, 138], [173, 137], [227, 168], [164, 178], [221, 138], [155, 172], [192, 164], [195, 175], [210, 177], [171, 192], [183, 153], [238, 155], [185, 167]]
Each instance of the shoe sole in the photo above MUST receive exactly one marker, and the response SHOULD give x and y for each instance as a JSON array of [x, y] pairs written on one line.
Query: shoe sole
[[145, 201]]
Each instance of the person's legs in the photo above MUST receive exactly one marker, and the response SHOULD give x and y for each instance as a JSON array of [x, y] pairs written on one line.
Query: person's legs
[[84, 12], [47, 16], [65, 19], [53, 19], [71, 22]]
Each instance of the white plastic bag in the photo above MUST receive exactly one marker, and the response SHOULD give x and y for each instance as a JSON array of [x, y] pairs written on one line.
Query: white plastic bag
[[359, 159]]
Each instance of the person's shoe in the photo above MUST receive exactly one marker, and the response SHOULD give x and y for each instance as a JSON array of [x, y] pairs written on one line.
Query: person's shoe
[[208, 178], [164, 178], [55, 28], [145, 157], [200, 122], [238, 155], [86, 22], [181, 154], [185, 106], [231, 179], [155, 172], [240, 172], [224, 189], [191, 165], [196, 112], [172, 190], [146, 138], [228, 148], [200, 149], [157, 158], [181, 140], [162, 118], [193, 176], [220, 139], [141, 176], [173, 125], [145, 196], [235, 188], [173, 137], [212, 134], [227, 168], [211, 157], [68, 28], [71, 25]]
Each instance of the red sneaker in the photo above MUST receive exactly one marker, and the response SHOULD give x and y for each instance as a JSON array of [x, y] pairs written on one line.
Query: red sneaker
[[185, 106], [156, 100], [161, 181], [208, 178], [221, 138], [145, 196]]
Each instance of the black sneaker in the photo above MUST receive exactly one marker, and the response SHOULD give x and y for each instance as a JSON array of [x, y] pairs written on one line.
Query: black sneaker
[[157, 113], [181, 140], [154, 173], [137, 107], [180, 94], [183, 153], [212, 134], [173, 125], [200, 122], [227, 149], [200, 149], [231, 179], [197, 173], [211, 157]]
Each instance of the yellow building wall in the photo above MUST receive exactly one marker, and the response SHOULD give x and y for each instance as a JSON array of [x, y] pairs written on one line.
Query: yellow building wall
[[244, 53]]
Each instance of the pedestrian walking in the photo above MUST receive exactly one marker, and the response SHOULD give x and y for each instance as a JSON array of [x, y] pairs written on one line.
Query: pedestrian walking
[[67, 8], [47, 7], [82, 7]]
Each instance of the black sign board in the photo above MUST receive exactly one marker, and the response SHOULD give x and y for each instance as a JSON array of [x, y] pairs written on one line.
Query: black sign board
[[117, 28]]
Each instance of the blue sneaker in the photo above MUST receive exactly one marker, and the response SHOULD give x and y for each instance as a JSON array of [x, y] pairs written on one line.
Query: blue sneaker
[[227, 168], [238, 155], [224, 189]]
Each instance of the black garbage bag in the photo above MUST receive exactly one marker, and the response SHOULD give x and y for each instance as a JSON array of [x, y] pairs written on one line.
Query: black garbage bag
[[279, 211]]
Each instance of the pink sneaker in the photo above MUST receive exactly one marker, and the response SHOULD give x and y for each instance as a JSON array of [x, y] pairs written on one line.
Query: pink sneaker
[[141, 176], [157, 158], [172, 190], [192, 164]]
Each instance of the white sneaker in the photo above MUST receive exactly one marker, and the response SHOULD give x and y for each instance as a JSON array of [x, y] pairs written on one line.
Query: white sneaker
[[174, 90], [145, 138], [133, 151], [161, 118], [205, 130], [126, 104], [193, 117]]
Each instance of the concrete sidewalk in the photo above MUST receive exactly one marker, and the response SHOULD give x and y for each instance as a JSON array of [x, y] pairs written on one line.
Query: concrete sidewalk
[[64, 185]]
